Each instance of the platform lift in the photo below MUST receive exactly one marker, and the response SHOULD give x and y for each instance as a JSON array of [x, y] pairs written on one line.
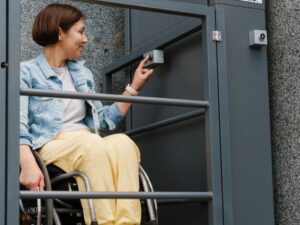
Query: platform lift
[[211, 165]]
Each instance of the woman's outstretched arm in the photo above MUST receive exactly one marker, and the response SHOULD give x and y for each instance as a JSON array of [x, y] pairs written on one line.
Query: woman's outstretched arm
[[140, 78]]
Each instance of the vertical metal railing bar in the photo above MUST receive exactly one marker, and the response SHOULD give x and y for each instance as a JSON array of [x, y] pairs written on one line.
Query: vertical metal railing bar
[[204, 196], [129, 71], [111, 97], [3, 110], [107, 83], [212, 121], [166, 122], [13, 80], [162, 43], [168, 7]]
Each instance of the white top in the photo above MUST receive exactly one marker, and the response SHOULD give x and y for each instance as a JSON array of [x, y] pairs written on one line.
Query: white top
[[74, 109]]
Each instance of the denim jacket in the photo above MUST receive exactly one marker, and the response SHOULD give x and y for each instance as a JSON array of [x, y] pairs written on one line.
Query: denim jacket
[[41, 117]]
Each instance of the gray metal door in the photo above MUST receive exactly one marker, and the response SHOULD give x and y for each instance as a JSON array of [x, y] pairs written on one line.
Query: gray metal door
[[173, 156], [2, 111], [245, 121]]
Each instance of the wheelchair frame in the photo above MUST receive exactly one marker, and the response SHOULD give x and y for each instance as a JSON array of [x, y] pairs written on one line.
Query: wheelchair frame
[[50, 213]]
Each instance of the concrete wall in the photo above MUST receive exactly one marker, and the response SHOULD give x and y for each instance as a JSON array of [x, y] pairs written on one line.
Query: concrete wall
[[284, 82], [104, 29]]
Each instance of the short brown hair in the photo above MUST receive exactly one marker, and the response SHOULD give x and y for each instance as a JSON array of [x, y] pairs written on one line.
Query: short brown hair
[[52, 17]]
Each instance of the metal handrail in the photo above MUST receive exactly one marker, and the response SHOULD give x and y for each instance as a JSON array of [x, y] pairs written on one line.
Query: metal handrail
[[111, 97], [166, 122], [201, 196]]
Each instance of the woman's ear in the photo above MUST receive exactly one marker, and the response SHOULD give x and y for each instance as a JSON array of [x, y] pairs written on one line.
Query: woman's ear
[[60, 34]]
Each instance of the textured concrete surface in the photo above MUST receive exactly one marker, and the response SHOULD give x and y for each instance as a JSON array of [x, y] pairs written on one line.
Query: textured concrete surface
[[104, 29], [284, 75]]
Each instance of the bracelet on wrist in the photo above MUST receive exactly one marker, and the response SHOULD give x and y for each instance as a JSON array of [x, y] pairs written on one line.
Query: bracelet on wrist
[[131, 90]]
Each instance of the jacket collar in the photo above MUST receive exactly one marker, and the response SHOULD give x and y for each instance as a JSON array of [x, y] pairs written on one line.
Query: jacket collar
[[45, 67], [73, 66]]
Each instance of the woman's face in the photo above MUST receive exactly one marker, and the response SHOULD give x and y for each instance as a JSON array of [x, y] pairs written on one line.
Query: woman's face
[[73, 40]]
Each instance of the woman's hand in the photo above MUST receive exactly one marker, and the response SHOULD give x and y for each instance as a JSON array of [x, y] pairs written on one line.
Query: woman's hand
[[141, 75], [31, 176]]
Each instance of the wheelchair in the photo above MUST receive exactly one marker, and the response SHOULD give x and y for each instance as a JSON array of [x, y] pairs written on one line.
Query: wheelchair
[[69, 212]]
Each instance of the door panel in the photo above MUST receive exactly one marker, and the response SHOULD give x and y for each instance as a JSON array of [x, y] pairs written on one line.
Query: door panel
[[173, 156]]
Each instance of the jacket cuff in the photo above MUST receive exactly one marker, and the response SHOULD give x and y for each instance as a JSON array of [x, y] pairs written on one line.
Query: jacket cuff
[[25, 141], [115, 114]]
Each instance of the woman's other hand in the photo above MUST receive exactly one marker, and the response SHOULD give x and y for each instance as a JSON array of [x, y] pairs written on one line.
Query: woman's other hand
[[31, 176], [141, 75]]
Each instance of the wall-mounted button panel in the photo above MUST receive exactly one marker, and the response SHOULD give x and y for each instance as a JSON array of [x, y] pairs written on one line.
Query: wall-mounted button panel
[[258, 38], [156, 58]]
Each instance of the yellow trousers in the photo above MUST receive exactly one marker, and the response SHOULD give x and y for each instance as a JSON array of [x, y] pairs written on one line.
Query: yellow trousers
[[111, 164]]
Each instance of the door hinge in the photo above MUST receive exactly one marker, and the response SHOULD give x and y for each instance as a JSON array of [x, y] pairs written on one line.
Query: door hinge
[[4, 65], [216, 36]]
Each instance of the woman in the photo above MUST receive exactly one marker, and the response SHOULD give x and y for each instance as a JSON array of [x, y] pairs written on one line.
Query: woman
[[60, 129]]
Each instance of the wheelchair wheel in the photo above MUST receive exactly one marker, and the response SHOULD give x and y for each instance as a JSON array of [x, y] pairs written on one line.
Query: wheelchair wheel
[[48, 203], [150, 214]]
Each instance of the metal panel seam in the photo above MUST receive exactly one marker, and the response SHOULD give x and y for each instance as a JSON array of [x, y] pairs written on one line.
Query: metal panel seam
[[223, 118]]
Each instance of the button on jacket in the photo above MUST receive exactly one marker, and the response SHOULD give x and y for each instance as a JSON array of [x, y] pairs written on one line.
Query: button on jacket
[[41, 117]]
